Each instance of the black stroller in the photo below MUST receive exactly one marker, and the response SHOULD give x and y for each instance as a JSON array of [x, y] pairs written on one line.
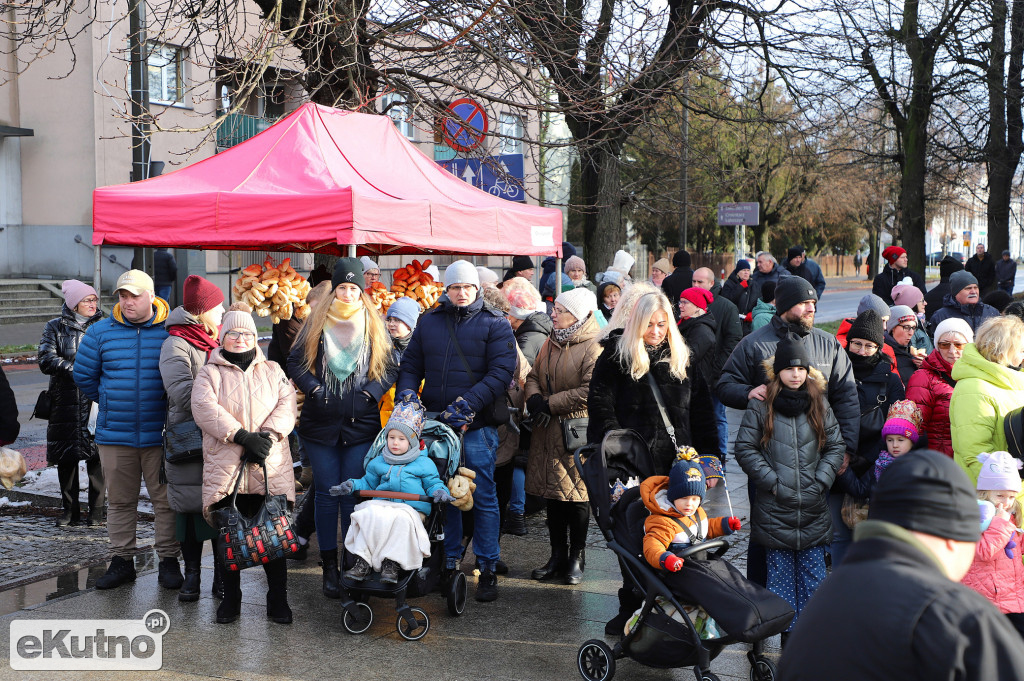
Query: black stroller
[[656, 639], [445, 450]]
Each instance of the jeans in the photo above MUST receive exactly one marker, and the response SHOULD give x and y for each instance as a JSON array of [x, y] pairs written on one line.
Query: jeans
[[723, 426], [164, 292], [517, 504], [479, 449], [332, 465], [1007, 287]]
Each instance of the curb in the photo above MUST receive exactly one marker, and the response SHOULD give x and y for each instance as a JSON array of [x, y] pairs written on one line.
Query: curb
[[44, 501]]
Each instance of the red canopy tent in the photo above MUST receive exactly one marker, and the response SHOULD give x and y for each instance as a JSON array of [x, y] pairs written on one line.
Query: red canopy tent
[[316, 181]]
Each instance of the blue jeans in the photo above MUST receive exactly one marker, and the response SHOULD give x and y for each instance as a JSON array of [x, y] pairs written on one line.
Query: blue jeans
[[164, 292], [723, 426], [480, 448], [332, 465], [517, 503]]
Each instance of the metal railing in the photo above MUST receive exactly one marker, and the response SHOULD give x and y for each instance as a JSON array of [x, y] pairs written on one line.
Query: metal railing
[[238, 127]]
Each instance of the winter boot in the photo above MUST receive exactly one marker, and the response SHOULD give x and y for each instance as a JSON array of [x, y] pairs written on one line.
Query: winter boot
[[120, 572], [189, 591], [574, 571], [515, 524], [389, 571], [231, 607], [332, 577], [487, 586], [628, 603], [277, 591], [360, 571], [218, 579], [555, 566], [169, 573]]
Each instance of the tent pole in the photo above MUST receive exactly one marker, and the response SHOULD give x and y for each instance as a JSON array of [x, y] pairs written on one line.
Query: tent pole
[[97, 277], [351, 250], [558, 276]]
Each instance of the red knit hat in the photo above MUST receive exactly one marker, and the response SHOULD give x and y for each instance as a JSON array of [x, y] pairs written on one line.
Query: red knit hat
[[201, 295], [893, 253], [701, 297]]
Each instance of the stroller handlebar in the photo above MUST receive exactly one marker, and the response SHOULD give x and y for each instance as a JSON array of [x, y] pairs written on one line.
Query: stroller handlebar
[[720, 546], [384, 494]]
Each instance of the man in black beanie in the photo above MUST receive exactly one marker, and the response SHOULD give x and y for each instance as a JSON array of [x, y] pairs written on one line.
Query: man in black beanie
[[894, 609], [933, 299], [680, 279], [799, 265], [743, 376]]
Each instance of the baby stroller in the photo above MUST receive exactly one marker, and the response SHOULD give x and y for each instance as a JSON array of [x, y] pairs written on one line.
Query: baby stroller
[[444, 448], [656, 639]]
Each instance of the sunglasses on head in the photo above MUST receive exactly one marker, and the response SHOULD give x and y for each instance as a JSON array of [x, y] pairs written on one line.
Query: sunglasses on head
[[945, 345]]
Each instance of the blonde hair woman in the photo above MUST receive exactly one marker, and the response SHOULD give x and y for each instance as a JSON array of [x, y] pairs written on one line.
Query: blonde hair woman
[[621, 395], [344, 361], [989, 384]]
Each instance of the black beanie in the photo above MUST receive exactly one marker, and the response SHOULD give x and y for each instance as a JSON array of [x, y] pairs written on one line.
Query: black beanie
[[792, 291], [522, 262], [867, 326], [348, 271], [998, 299], [791, 352], [793, 252], [947, 266], [768, 291], [681, 259], [924, 491]]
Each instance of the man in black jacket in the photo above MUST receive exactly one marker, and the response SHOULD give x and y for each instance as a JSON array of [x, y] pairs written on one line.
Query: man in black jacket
[[680, 279], [1006, 272], [9, 426], [983, 268], [947, 266], [728, 332], [896, 595], [894, 272]]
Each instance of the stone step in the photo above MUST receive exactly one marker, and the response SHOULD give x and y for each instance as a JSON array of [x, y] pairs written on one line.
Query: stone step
[[37, 294], [27, 318], [20, 286]]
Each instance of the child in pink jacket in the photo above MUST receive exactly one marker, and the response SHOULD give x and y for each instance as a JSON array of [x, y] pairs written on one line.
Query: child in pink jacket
[[997, 572]]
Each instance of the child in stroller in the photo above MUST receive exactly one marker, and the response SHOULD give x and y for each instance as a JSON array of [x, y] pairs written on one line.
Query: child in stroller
[[388, 535]]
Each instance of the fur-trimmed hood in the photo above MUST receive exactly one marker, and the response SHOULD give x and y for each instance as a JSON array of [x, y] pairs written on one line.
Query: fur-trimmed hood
[[768, 365]]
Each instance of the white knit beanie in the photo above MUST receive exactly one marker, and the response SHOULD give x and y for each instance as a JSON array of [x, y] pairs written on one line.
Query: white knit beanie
[[580, 302], [236, 319], [622, 262], [368, 264], [461, 272], [955, 325]]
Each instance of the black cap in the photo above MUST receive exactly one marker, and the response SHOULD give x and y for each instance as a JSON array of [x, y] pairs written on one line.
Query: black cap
[[998, 299], [794, 251], [867, 326], [768, 291], [791, 352], [522, 262], [949, 265], [348, 271], [793, 291], [924, 491], [681, 259]]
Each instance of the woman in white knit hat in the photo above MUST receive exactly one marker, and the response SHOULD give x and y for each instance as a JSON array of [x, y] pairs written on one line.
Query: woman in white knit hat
[[556, 390]]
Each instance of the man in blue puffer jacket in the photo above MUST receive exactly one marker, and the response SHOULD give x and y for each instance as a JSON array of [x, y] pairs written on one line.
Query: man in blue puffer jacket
[[118, 367], [465, 395]]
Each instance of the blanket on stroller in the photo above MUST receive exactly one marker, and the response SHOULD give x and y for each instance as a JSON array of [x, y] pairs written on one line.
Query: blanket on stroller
[[384, 529]]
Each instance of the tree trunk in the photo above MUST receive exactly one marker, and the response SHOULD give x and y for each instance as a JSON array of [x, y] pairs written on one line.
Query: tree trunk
[[603, 232], [1000, 184], [911, 200]]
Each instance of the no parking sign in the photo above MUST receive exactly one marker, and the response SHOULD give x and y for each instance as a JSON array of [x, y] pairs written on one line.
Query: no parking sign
[[466, 128]]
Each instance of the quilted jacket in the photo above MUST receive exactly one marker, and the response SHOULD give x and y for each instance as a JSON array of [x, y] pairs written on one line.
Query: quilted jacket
[[662, 526], [118, 366], [224, 399], [67, 433], [995, 575], [561, 375], [931, 388]]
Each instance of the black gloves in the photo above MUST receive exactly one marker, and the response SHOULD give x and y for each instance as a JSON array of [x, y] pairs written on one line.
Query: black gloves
[[257, 445], [538, 405]]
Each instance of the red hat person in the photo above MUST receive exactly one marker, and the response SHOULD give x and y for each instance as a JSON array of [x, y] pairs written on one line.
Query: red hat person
[[892, 254]]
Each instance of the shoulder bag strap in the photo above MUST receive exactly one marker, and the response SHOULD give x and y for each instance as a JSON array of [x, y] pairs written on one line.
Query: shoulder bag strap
[[661, 408], [458, 349]]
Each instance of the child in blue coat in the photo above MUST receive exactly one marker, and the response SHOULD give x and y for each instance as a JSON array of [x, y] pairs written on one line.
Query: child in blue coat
[[388, 534]]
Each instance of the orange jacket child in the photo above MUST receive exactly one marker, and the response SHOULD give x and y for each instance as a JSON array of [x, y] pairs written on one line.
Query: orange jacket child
[[677, 521]]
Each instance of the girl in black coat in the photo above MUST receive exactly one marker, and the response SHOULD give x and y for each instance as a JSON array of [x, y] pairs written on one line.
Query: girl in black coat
[[744, 292], [68, 440]]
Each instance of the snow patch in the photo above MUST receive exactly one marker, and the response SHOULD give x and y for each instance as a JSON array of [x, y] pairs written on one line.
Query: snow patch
[[45, 483]]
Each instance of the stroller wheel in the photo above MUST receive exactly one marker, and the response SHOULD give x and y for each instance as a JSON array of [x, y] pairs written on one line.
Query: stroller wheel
[[763, 669], [358, 624], [456, 595], [705, 676], [410, 632], [595, 661]]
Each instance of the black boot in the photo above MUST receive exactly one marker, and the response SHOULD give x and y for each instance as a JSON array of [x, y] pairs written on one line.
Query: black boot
[[555, 566], [231, 607], [628, 603], [277, 591], [189, 591], [169, 573], [574, 571], [487, 587], [218, 579], [332, 578], [515, 524], [121, 571]]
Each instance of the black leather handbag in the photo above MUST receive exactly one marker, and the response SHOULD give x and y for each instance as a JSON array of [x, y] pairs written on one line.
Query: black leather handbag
[[42, 408], [183, 442], [574, 433], [257, 539]]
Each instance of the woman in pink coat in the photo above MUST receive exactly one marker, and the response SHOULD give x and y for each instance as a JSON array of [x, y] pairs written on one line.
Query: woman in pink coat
[[245, 406]]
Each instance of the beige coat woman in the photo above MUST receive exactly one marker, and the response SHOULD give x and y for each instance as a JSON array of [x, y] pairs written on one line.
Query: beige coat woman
[[561, 374], [224, 399]]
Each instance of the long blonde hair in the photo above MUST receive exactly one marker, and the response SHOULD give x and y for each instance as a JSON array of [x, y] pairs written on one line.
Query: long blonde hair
[[206, 319], [1015, 511], [625, 305], [376, 335], [630, 350]]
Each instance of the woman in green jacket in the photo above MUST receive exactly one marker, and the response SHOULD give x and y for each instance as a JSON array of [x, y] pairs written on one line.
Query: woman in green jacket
[[989, 384]]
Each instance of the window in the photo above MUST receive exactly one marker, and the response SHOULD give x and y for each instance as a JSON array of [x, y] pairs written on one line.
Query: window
[[166, 73], [401, 113], [511, 133]]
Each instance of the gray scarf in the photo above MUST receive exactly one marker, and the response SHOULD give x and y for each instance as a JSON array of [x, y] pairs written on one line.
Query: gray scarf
[[562, 336]]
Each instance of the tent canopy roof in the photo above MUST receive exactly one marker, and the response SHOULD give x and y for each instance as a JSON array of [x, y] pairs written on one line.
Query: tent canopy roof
[[317, 180]]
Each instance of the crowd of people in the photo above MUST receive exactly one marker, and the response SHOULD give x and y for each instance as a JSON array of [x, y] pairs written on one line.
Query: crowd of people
[[527, 374]]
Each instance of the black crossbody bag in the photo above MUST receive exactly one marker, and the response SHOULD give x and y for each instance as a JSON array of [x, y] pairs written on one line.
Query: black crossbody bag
[[498, 412]]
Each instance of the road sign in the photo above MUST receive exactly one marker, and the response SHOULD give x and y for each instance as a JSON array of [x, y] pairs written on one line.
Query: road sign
[[464, 130], [497, 175], [735, 214]]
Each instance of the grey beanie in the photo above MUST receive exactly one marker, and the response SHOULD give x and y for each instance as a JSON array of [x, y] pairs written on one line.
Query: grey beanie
[[958, 281], [405, 310], [873, 302], [898, 313], [461, 272], [236, 319]]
